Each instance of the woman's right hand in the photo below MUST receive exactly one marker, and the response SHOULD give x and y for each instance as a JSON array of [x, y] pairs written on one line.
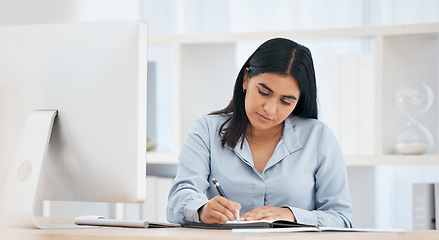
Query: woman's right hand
[[219, 210]]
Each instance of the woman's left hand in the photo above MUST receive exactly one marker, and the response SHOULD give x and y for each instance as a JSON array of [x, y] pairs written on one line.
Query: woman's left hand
[[269, 213]]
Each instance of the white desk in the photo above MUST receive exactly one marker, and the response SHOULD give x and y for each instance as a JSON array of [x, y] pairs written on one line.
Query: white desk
[[187, 233], [114, 233]]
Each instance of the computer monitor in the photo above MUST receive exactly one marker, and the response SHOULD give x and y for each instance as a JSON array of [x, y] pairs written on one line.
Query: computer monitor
[[93, 75]]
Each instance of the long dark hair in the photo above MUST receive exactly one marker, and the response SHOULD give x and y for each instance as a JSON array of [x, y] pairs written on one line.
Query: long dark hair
[[281, 56]]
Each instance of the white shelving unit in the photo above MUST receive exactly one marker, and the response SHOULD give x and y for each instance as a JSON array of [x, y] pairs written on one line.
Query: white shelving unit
[[204, 71], [390, 159]]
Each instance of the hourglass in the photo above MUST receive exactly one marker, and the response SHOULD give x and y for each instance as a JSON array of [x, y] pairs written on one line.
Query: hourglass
[[413, 100]]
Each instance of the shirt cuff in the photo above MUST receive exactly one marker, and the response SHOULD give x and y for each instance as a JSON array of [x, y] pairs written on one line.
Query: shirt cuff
[[304, 216], [191, 209]]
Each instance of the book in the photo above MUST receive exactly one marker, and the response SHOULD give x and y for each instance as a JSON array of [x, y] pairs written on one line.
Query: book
[[346, 101], [436, 204], [349, 104], [366, 98], [248, 224], [423, 206], [314, 229], [330, 94], [261, 226]]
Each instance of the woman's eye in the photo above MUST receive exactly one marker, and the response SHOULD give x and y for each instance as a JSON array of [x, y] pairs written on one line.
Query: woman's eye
[[285, 102], [263, 93]]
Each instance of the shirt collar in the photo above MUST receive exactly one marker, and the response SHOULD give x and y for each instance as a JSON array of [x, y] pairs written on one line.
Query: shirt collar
[[287, 145], [289, 137]]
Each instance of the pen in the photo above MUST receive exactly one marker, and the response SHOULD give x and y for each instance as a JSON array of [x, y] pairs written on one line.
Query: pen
[[218, 187], [221, 193]]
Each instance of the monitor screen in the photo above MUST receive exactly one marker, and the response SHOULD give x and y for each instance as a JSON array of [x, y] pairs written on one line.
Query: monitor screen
[[94, 75]]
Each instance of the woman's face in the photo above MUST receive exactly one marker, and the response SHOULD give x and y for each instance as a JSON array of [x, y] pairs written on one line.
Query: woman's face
[[270, 99]]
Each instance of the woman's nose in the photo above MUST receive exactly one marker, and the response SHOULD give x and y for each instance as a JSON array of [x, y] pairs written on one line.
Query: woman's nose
[[270, 106]]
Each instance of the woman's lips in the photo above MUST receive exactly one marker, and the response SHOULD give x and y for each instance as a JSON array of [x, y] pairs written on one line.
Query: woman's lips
[[264, 118]]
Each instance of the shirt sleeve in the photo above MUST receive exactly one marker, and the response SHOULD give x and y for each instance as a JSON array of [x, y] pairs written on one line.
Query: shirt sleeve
[[332, 198], [187, 194]]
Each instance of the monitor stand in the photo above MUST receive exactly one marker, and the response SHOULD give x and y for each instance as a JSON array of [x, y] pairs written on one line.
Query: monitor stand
[[19, 195]]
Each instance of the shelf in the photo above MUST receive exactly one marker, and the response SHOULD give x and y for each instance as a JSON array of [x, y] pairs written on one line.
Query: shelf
[[377, 160], [161, 158], [351, 160], [194, 56]]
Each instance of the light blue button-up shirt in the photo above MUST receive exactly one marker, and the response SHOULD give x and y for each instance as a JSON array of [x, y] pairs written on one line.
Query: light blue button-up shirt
[[306, 173]]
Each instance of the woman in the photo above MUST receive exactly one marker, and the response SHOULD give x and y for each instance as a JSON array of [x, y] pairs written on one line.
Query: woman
[[271, 155]]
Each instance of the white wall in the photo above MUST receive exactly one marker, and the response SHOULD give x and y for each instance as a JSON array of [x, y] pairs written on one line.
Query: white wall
[[388, 12], [24, 12], [204, 16]]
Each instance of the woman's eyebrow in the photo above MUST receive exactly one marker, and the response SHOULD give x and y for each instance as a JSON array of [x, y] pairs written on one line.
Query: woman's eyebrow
[[269, 89], [288, 96], [265, 86]]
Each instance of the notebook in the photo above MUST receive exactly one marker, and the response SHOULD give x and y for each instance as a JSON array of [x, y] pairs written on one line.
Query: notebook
[[248, 224]]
